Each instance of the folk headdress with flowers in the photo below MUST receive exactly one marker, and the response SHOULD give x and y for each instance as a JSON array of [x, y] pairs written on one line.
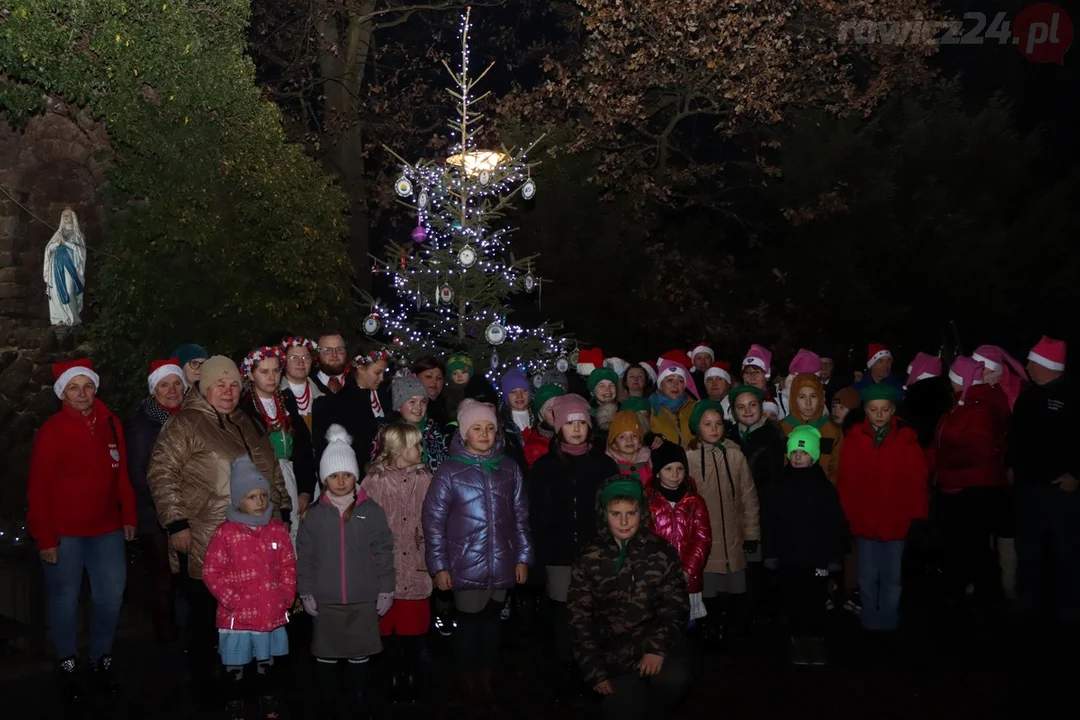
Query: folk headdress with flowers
[[256, 356], [373, 357], [299, 341]]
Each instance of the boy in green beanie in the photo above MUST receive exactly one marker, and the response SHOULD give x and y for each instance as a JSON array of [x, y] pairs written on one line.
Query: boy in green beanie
[[807, 532]]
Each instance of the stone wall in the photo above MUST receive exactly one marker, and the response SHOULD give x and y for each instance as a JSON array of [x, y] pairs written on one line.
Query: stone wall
[[57, 160]]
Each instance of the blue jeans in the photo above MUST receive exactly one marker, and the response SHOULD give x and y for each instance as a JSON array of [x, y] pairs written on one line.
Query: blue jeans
[[879, 582], [104, 559]]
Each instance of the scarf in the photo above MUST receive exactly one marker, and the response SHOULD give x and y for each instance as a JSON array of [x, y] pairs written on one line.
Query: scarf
[[631, 468], [658, 400], [879, 435], [342, 503], [158, 412], [488, 464], [815, 423], [581, 449], [744, 432], [673, 495], [233, 513]]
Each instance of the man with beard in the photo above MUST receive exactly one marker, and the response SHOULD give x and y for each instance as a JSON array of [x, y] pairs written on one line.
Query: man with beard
[[333, 363]]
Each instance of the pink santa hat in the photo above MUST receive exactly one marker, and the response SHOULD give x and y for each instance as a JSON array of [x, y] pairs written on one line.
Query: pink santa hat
[[923, 367], [667, 368], [757, 356], [1003, 369], [966, 372], [1049, 353], [805, 361]]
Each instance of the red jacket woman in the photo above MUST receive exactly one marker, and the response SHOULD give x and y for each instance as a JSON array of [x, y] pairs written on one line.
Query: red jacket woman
[[969, 444], [882, 481], [686, 526]]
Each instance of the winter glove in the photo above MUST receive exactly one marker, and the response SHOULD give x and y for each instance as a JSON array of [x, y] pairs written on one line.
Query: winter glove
[[309, 605], [382, 605], [750, 547]]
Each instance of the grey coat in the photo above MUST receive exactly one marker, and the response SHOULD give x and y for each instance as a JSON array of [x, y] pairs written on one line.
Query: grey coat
[[344, 559]]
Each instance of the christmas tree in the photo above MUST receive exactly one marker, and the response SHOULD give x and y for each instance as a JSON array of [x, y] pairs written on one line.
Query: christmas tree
[[453, 283]]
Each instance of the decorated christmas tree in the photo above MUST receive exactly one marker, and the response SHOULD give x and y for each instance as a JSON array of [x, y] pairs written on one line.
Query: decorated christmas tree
[[452, 284]]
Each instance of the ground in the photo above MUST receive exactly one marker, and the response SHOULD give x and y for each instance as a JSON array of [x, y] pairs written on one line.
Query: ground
[[947, 666]]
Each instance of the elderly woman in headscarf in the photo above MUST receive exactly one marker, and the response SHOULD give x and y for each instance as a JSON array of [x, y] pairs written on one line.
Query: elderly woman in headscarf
[[167, 385], [81, 510], [189, 477]]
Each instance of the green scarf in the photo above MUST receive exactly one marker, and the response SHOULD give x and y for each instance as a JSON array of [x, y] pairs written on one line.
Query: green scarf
[[816, 423], [879, 435], [488, 464], [621, 559]]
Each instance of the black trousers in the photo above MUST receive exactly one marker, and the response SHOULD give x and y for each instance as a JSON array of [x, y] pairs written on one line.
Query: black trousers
[[805, 594], [201, 630], [637, 698], [969, 518]]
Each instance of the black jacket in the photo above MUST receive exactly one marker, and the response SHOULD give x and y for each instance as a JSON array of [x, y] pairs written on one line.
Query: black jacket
[[808, 526], [562, 503], [140, 434], [924, 403], [1045, 424], [351, 408], [765, 449], [303, 455]]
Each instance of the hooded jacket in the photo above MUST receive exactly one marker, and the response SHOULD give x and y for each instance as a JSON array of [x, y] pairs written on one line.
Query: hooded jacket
[[725, 483], [476, 522], [251, 572], [686, 526], [618, 617], [400, 493], [808, 529], [832, 437], [190, 467], [969, 445]]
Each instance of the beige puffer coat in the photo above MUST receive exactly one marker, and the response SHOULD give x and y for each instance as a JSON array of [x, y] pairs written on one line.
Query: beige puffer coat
[[190, 466], [730, 495]]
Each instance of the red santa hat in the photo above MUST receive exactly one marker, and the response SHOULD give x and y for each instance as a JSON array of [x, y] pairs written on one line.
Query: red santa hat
[[875, 352], [719, 369], [588, 360], [161, 369], [923, 367], [667, 368], [805, 361], [650, 369], [757, 356], [701, 347], [966, 373], [675, 356], [65, 372], [1049, 353]]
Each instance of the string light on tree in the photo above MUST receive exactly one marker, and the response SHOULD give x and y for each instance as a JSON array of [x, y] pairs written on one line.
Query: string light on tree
[[452, 285]]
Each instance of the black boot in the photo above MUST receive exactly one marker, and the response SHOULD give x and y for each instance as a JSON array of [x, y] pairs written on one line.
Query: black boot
[[327, 689], [356, 690], [101, 676], [233, 692], [270, 706], [70, 682]]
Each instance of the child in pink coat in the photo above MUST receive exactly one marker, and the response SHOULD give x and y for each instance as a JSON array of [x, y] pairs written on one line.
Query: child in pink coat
[[250, 568]]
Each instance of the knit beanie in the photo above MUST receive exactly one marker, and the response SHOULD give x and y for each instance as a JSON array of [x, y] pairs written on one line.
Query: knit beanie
[[459, 361], [189, 352], [848, 397], [702, 407], [471, 411], [548, 391], [636, 404], [570, 408], [599, 375], [880, 391], [625, 421], [243, 478], [554, 377], [805, 438], [405, 387], [667, 454], [338, 455], [217, 368], [514, 379]]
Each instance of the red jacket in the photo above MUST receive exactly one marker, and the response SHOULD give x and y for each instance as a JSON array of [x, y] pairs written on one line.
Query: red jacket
[[536, 445], [78, 483], [882, 489], [252, 573], [686, 526], [969, 445]]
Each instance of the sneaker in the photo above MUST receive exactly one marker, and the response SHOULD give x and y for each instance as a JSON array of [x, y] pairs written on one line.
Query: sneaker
[[445, 626], [102, 676]]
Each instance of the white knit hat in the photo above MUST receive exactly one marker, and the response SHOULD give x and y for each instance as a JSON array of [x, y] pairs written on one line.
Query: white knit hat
[[338, 455]]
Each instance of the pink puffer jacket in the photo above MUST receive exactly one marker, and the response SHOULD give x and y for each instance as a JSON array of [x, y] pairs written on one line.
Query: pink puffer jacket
[[400, 493], [251, 571]]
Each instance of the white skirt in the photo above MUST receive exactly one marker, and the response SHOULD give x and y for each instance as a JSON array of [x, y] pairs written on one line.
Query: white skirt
[[290, 488]]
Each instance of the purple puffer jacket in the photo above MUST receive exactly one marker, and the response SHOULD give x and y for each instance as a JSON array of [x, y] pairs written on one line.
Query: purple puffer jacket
[[476, 523]]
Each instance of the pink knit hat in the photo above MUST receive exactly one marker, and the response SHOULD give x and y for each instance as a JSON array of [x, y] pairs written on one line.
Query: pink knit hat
[[569, 408], [667, 368], [805, 361], [1049, 353], [759, 357], [923, 367], [471, 412], [966, 373]]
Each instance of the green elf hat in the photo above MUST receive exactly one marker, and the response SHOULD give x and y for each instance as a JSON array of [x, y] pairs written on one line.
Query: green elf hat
[[740, 389], [805, 438], [880, 391], [459, 361], [599, 375], [545, 393]]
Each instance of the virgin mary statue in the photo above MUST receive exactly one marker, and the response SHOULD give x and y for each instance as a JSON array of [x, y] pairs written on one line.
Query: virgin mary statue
[[65, 271]]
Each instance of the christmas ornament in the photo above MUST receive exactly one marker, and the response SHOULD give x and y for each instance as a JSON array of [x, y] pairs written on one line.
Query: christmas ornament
[[562, 364], [422, 201], [495, 334], [372, 324], [494, 361], [529, 282], [538, 381], [528, 189], [467, 257], [485, 177], [403, 187], [419, 234], [455, 226], [446, 295]]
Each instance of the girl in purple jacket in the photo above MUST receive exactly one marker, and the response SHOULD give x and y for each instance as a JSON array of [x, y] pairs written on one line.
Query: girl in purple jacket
[[476, 529]]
